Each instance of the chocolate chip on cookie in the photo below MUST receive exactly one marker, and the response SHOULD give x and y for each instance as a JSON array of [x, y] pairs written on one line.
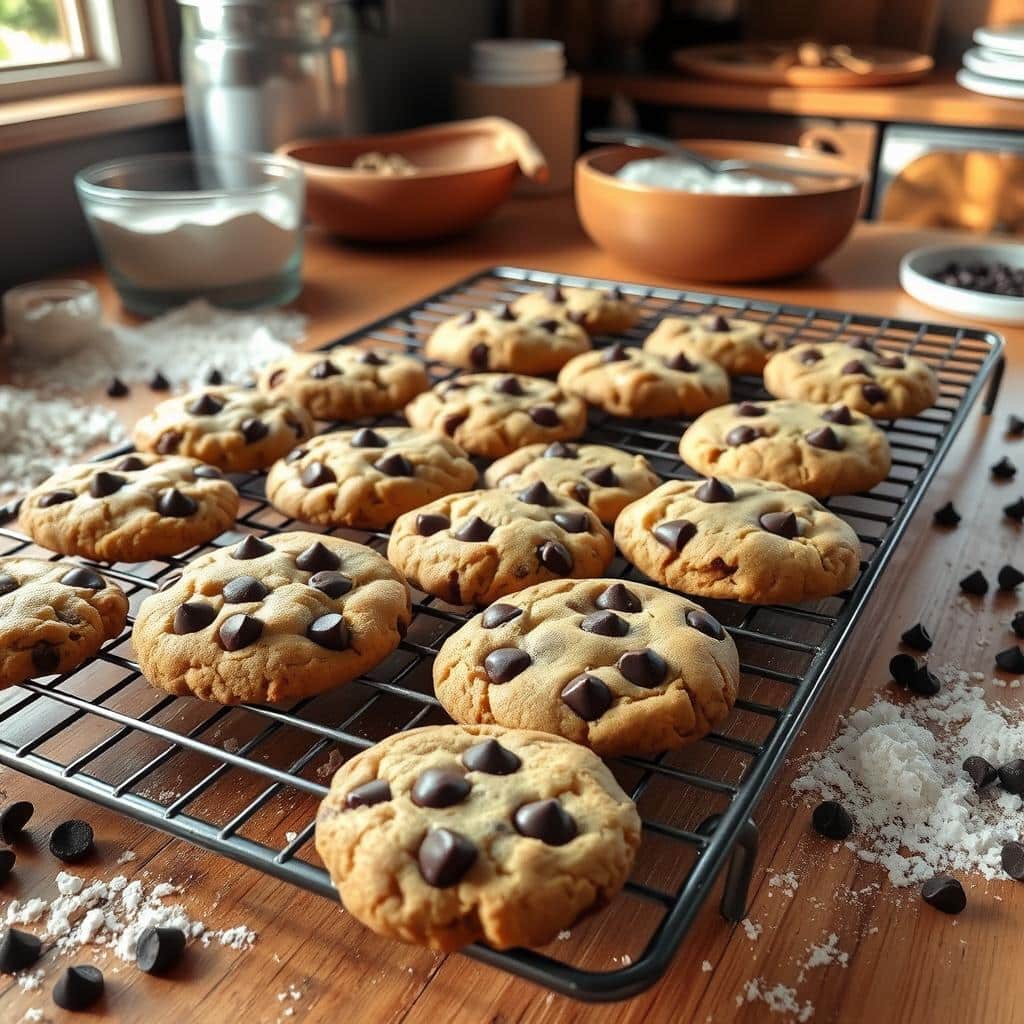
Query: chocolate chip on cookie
[[597, 310], [737, 346]]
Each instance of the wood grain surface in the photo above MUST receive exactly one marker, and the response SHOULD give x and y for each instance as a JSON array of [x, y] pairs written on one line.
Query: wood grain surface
[[906, 961]]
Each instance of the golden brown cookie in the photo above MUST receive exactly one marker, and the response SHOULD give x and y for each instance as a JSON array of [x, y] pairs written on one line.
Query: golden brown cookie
[[737, 346], [447, 835], [597, 310], [742, 540], [621, 668]]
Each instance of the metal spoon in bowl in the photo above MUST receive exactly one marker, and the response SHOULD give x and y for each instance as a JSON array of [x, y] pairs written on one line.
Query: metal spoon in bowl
[[629, 137]]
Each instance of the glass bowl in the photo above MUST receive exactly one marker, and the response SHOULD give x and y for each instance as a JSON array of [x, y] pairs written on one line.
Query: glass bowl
[[177, 226]]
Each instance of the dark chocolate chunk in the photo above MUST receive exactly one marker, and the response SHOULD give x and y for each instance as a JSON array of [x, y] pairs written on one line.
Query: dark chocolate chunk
[[333, 584], [580, 493], [208, 473], [452, 422], [944, 893], [713, 491], [811, 355], [560, 450], [79, 987], [924, 682], [499, 614], [982, 773], [572, 522], [45, 657], [550, 326], [376, 791], [873, 394], [473, 530], [785, 524], [429, 523], [176, 505], [865, 344], [1014, 426], [1011, 776], [917, 638], [619, 599], [13, 819], [316, 474], [902, 668], [444, 857], [18, 950], [1011, 660], [742, 434], [440, 787], [85, 578], [545, 416], [824, 437], [365, 437], [1009, 578], [253, 430], [605, 623], [1015, 510], [72, 841], [479, 356], [838, 414], [680, 363], [510, 385], [854, 366], [8, 584], [56, 498], [1004, 469], [491, 758], [239, 631], [603, 476], [505, 312], [395, 464], [891, 362], [537, 493], [644, 668], [214, 377], [553, 293], [329, 631], [294, 455], [317, 558], [675, 533], [555, 557], [750, 409], [323, 369], [205, 405], [832, 820], [1012, 858], [158, 950], [614, 353], [588, 696], [158, 382], [947, 515], [506, 663], [131, 464], [705, 623], [117, 388], [1017, 624], [243, 589], [193, 616], [104, 484], [7, 859], [718, 324], [546, 820], [167, 443], [975, 583], [370, 358], [251, 547]]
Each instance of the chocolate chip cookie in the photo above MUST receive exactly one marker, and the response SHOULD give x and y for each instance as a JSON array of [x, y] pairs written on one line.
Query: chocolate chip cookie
[[602, 478], [619, 667], [272, 619], [53, 615], [492, 414], [483, 340], [473, 548], [743, 540], [818, 449], [130, 508], [447, 835], [346, 383], [597, 310], [633, 383], [367, 478], [884, 386], [737, 346], [232, 428]]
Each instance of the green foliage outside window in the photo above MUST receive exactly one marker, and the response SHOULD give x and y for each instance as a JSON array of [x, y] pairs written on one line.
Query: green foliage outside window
[[40, 18]]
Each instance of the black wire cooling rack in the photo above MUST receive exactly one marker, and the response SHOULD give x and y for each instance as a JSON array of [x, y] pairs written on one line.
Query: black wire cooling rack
[[245, 781]]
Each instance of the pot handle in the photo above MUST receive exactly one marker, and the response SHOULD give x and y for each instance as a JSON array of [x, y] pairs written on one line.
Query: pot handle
[[515, 140]]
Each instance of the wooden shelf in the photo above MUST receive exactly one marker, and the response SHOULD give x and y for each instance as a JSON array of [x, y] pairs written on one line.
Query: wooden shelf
[[937, 100]]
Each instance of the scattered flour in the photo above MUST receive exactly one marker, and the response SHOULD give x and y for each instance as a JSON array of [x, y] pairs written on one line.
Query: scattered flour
[[29, 981], [34, 1015], [752, 929], [897, 769], [787, 882], [706, 966], [127, 857], [778, 998]]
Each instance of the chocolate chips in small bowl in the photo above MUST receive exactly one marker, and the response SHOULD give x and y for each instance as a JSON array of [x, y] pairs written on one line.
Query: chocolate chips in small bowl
[[994, 278]]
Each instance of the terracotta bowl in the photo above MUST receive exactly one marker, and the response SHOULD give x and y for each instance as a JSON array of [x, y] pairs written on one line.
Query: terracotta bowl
[[463, 170], [700, 237]]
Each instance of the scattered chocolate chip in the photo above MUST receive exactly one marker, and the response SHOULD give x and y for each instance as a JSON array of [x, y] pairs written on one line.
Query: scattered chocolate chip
[[713, 491], [580, 493], [506, 663], [395, 464], [1010, 578], [1011, 776], [1015, 510], [917, 638], [214, 376], [429, 523], [452, 422], [975, 583], [832, 820], [79, 987], [572, 522], [505, 312], [444, 857], [251, 547], [7, 859], [784, 524], [329, 631], [618, 598], [167, 443], [944, 893], [537, 493], [1014, 426], [131, 464], [208, 473], [316, 474], [545, 416], [680, 363], [473, 530], [243, 589], [253, 430], [376, 791], [981, 772], [317, 558], [605, 623], [87, 579], [811, 355], [491, 758], [158, 382], [18, 950], [546, 820], [902, 668], [838, 414], [8, 584], [205, 405], [193, 616], [104, 484], [865, 344], [550, 326], [924, 682], [718, 324], [13, 819], [560, 450], [742, 434], [825, 437], [479, 356], [588, 696], [72, 841], [332, 584], [239, 631], [873, 394], [675, 533], [947, 515], [892, 362], [614, 353], [555, 557], [158, 950], [45, 657], [553, 293], [603, 476], [117, 388], [854, 366], [440, 787], [323, 369], [499, 614], [644, 668], [510, 385], [1011, 660], [176, 505], [56, 498], [1012, 859], [1017, 624], [367, 438], [1004, 469], [705, 623]]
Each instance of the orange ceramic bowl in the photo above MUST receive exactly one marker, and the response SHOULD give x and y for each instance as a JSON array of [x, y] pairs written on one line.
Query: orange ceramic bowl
[[463, 171], [702, 237]]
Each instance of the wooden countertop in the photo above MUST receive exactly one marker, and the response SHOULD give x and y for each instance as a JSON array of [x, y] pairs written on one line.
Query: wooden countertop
[[936, 100], [907, 962]]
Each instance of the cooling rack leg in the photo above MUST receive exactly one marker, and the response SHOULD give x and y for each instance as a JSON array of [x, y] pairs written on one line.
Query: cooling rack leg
[[737, 877], [992, 392]]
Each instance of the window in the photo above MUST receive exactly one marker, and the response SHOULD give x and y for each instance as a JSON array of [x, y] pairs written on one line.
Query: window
[[52, 46]]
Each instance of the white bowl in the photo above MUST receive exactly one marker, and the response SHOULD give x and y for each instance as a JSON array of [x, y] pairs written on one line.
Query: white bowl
[[916, 267]]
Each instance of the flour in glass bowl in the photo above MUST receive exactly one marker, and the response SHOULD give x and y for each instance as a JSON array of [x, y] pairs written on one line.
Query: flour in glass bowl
[[682, 176]]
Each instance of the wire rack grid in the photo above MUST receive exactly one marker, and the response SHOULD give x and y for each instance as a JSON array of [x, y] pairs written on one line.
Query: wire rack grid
[[245, 781]]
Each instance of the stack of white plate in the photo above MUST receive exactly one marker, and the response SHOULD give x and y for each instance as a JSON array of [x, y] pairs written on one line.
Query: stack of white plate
[[995, 66]]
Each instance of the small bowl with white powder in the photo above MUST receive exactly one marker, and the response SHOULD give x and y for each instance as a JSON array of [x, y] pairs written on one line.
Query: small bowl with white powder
[[178, 226], [676, 220]]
